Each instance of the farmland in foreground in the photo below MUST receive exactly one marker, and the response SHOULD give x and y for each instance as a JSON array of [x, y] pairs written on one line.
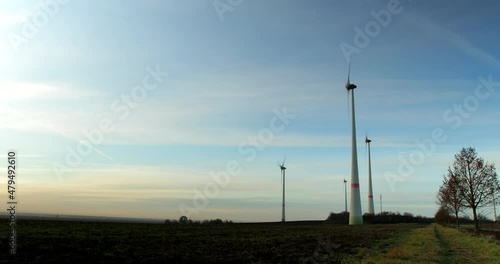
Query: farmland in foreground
[[42, 241]]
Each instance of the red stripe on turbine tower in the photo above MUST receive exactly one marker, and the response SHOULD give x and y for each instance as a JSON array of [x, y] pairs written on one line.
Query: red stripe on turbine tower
[[370, 196], [354, 185]]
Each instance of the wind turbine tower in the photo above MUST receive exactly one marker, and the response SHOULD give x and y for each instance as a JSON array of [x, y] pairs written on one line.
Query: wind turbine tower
[[494, 206], [355, 213], [283, 168], [345, 195], [371, 209]]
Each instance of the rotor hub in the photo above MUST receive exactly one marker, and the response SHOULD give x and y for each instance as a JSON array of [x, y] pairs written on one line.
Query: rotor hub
[[350, 86]]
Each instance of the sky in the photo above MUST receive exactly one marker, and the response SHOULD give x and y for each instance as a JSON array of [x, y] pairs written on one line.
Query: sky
[[157, 109]]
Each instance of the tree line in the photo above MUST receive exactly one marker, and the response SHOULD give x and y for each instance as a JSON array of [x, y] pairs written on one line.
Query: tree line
[[183, 220], [380, 218]]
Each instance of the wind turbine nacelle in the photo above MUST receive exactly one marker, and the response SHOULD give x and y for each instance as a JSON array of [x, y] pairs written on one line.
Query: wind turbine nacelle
[[350, 86]]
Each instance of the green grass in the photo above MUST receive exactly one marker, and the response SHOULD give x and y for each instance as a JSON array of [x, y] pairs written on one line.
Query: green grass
[[436, 244]]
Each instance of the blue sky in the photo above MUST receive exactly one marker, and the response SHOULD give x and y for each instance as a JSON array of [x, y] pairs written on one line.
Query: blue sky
[[229, 72]]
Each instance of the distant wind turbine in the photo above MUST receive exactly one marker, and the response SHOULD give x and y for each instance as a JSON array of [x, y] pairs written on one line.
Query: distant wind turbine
[[371, 210], [380, 203], [345, 195], [355, 213], [494, 206], [283, 168]]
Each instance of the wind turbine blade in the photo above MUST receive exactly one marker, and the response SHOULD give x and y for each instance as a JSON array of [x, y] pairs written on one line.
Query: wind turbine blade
[[284, 159], [348, 90], [348, 106], [367, 144], [366, 147], [349, 73], [282, 177]]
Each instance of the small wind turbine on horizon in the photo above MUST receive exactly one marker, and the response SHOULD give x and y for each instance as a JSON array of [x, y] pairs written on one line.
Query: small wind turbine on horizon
[[380, 203], [345, 195], [283, 168], [494, 206], [371, 209], [355, 212]]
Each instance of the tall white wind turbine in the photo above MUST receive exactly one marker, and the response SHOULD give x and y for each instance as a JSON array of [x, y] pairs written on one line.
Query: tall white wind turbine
[[283, 168], [355, 213], [371, 209]]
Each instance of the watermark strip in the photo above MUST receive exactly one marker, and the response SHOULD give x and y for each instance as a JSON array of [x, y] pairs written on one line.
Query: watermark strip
[[12, 166]]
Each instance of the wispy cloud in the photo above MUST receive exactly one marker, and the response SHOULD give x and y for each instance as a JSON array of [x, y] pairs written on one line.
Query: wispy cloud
[[19, 90], [455, 39], [204, 113]]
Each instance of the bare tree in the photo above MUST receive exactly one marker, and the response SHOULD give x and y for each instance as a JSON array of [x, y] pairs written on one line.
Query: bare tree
[[475, 179], [449, 196]]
